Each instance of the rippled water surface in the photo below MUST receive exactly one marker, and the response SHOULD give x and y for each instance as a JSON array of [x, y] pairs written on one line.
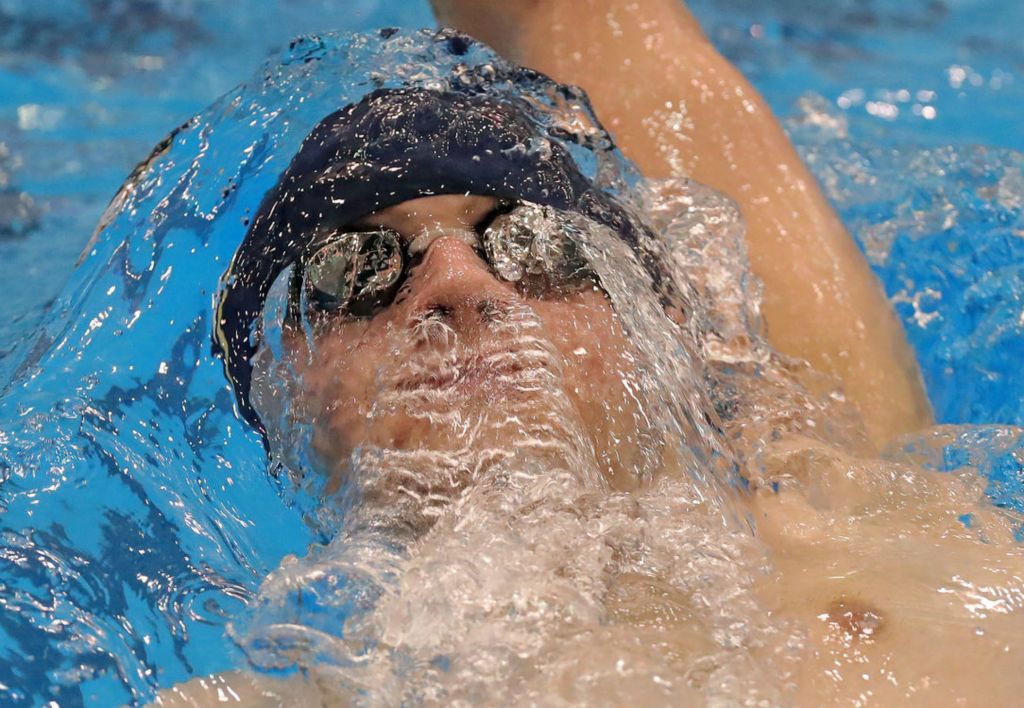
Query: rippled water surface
[[144, 542]]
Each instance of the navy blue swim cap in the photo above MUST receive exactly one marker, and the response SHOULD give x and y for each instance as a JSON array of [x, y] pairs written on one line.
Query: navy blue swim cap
[[392, 146]]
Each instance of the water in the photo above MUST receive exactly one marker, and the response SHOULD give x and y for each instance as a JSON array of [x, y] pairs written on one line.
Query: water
[[88, 87], [141, 427], [907, 115]]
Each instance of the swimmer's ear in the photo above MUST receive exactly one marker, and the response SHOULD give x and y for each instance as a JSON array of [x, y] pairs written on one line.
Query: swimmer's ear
[[295, 344]]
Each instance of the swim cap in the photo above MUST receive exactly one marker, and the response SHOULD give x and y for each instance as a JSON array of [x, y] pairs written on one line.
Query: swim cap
[[392, 146]]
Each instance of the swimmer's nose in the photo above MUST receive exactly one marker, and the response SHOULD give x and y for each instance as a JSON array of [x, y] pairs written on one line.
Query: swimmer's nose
[[454, 285]]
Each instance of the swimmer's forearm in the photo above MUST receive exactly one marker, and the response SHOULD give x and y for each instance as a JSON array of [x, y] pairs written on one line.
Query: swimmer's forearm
[[677, 107], [251, 690]]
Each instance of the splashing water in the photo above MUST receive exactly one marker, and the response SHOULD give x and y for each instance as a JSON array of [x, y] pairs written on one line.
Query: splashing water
[[484, 561], [501, 559], [947, 246]]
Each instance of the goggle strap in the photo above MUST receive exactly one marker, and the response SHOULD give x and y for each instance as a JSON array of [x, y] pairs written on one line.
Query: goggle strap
[[293, 311]]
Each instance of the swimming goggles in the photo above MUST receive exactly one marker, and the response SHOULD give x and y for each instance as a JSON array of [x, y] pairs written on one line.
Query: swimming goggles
[[359, 273]]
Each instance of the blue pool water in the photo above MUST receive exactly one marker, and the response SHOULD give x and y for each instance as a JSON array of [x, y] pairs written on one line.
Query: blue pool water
[[131, 532]]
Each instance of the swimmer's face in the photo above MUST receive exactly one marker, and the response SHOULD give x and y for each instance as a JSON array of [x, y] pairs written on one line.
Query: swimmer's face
[[458, 345]]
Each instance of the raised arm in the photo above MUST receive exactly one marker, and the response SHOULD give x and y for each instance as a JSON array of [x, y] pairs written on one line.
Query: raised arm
[[678, 108]]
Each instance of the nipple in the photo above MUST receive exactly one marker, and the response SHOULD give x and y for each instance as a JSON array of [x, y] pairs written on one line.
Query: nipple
[[854, 618]]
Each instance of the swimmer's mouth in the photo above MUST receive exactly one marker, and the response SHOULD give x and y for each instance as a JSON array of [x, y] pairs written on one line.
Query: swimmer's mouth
[[503, 369]]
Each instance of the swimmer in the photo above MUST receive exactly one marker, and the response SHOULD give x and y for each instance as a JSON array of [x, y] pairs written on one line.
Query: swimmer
[[413, 280]]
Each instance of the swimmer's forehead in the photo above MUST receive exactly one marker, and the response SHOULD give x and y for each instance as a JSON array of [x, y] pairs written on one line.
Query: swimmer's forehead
[[412, 216]]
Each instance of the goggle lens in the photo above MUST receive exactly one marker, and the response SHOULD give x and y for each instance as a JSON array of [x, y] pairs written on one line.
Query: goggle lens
[[359, 273]]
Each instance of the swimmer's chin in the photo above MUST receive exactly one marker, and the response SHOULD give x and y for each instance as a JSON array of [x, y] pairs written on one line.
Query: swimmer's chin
[[491, 377]]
